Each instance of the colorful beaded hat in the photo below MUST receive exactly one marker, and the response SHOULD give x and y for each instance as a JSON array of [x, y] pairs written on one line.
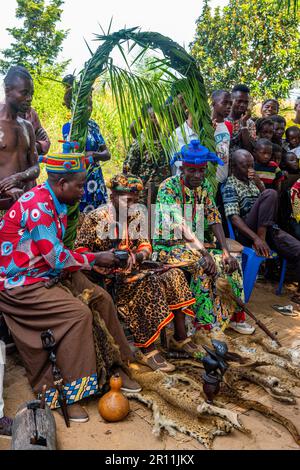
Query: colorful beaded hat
[[64, 162], [126, 183]]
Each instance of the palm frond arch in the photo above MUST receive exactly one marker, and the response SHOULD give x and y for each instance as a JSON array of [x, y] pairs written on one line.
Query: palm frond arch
[[140, 90]]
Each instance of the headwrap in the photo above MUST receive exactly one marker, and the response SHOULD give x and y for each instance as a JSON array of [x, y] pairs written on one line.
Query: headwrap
[[195, 155], [125, 183], [64, 162]]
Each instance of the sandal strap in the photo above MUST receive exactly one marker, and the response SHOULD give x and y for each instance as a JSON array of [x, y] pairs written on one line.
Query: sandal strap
[[151, 354], [182, 343], [156, 365]]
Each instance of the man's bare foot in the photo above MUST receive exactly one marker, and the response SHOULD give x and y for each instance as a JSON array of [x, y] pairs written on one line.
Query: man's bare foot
[[76, 413]]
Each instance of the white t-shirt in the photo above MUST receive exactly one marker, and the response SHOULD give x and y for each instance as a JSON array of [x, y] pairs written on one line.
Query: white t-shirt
[[222, 139], [182, 136], [296, 151]]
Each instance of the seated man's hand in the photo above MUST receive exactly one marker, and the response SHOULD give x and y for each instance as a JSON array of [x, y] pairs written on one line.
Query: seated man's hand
[[107, 259], [11, 182], [210, 267], [14, 193], [131, 262], [230, 263], [102, 271], [261, 248]]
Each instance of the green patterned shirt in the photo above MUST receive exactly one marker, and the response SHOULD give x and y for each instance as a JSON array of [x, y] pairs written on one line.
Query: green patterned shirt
[[172, 197]]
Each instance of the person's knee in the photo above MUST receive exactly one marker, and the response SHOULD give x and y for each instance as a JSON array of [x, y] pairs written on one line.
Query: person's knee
[[105, 296], [104, 304], [83, 313], [270, 194]]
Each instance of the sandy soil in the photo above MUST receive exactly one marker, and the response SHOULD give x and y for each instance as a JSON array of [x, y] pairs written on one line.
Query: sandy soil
[[97, 434]]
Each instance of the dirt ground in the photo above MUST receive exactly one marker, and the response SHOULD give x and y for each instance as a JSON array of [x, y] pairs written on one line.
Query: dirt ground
[[126, 435]]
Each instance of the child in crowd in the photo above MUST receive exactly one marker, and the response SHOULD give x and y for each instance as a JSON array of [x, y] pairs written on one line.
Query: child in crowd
[[269, 107], [290, 163], [267, 170], [277, 154], [293, 140], [264, 128], [221, 103], [279, 128], [290, 168]]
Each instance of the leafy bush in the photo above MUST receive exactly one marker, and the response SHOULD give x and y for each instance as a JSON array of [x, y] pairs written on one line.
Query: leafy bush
[[48, 102]]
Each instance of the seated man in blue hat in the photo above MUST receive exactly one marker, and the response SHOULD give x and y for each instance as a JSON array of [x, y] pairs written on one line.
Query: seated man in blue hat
[[186, 217], [82, 317]]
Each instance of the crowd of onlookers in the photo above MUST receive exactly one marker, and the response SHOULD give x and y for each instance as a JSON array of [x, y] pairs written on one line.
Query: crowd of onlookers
[[274, 144], [258, 192]]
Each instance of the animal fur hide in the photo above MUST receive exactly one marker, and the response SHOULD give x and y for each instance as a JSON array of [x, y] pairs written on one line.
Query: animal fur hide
[[179, 404]]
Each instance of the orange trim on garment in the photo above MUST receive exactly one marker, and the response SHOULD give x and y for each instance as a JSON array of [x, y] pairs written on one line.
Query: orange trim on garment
[[143, 246], [81, 249], [189, 312], [164, 323], [186, 303]]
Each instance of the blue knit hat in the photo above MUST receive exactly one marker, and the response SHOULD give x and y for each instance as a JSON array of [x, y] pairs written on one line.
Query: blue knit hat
[[195, 155]]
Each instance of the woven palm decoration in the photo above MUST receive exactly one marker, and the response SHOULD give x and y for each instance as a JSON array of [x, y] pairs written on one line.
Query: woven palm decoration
[[132, 90]]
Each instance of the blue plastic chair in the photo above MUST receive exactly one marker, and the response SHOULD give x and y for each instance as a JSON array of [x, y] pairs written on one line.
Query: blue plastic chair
[[251, 263]]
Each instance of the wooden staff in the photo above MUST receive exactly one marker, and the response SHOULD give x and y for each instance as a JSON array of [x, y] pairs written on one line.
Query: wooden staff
[[224, 288], [257, 321]]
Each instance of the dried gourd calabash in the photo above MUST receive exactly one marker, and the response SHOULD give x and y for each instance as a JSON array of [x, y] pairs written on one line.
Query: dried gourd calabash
[[113, 406]]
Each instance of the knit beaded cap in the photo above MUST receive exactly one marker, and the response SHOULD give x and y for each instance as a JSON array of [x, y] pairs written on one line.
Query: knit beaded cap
[[196, 155], [64, 162]]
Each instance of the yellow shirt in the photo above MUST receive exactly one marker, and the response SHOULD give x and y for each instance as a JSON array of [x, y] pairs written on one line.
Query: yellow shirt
[[291, 123]]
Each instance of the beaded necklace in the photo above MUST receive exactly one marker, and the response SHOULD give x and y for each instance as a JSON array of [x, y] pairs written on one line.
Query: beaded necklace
[[184, 199]]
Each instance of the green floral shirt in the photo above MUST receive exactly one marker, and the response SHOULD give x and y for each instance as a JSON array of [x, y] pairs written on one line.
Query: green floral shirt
[[173, 196]]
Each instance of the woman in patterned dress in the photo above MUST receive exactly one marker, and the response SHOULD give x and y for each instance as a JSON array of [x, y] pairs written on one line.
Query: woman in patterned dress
[[146, 301], [95, 193]]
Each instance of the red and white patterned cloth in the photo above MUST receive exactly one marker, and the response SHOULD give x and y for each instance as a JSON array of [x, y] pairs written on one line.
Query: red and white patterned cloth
[[31, 246]]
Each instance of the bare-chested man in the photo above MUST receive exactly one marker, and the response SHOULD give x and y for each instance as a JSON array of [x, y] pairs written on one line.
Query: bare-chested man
[[18, 157]]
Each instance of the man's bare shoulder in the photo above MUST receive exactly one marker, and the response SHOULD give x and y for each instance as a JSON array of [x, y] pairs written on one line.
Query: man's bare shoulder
[[25, 123]]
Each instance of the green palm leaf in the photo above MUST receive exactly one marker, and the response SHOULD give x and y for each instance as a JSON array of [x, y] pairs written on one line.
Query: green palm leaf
[[132, 90]]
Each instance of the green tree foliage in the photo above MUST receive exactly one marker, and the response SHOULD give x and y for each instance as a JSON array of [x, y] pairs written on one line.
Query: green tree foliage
[[292, 4], [48, 102], [37, 42], [256, 42]]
